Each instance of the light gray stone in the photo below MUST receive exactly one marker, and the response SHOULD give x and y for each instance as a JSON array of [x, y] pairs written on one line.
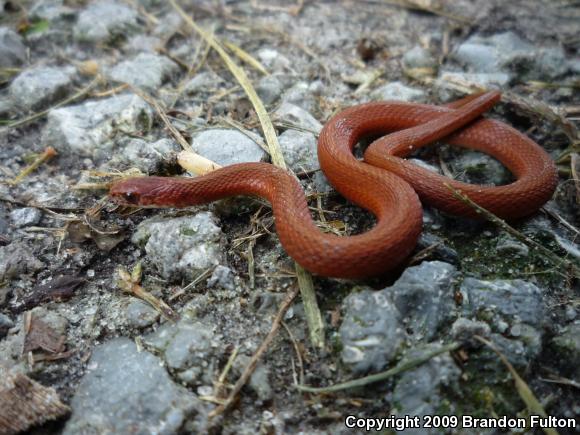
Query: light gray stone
[[38, 87], [140, 314], [418, 392], [419, 57], [511, 300], [299, 149], [204, 82], [227, 146], [484, 80], [102, 21], [12, 49], [149, 157], [187, 348], [424, 297], [16, 259], [397, 91], [297, 116], [371, 332], [147, 70], [86, 129], [302, 95], [24, 217], [222, 277], [181, 248], [269, 89], [127, 391]]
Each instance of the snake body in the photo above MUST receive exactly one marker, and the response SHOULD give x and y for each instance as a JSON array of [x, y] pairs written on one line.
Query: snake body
[[385, 184]]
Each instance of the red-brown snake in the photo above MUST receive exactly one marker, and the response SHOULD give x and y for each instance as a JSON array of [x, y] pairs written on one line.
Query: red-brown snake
[[385, 184]]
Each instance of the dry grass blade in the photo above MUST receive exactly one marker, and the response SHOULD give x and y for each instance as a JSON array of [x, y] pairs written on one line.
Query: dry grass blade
[[48, 154], [377, 377], [526, 394], [315, 321], [246, 57]]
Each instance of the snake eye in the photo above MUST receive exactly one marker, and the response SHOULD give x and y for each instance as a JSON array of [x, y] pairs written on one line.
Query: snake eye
[[131, 197]]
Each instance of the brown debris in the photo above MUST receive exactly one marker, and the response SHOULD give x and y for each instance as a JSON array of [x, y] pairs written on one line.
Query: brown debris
[[41, 337], [61, 288], [25, 403]]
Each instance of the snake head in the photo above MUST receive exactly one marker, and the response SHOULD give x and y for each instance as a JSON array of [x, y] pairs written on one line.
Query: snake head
[[138, 192]]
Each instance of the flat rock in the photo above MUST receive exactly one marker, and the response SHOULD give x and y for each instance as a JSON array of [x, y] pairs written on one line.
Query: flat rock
[[147, 70], [227, 146], [129, 391], [512, 300], [103, 21], [16, 259], [12, 49], [297, 116], [38, 87], [86, 129], [181, 248], [299, 149], [371, 332], [397, 91]]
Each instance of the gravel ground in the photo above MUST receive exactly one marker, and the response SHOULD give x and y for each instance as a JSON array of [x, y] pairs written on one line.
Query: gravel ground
[[215, 276]]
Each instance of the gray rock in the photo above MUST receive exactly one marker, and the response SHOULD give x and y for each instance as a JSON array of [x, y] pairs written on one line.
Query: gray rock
[[493, 53], [24, 217], [12, 49], [397, 91], [299, 149], [301, 95], [50, 10], [5, 324], [511, 300], [149, 157], [509, 53], [86, 129], [269, 89], [418, 391], [297, 116], [481, 79], [320, 183], [181, 247], [102, 21], [227, 146], [140, 314], [40, 86], [424, 297], [273, 60], [509, 245], [143, 43], [463, 330], [16, 259], [222, 277], [371, 332], [187, 348], [204, 82], [127, 391], [147, 71], [419, 57]]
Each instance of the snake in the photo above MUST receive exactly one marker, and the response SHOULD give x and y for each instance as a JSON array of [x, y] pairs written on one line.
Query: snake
[[385, 182]]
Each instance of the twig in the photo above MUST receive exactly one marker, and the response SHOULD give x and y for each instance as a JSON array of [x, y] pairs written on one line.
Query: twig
[[311, 309], [257, 355], [409, 4], [551, 256], [399, 368], [48, 154], [129, 282]]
